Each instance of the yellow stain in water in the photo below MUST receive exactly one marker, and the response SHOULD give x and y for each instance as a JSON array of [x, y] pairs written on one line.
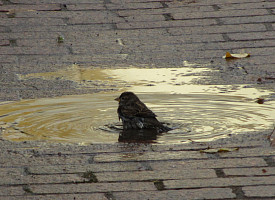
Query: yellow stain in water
[[160, 79], [146, 80], [74, 73]]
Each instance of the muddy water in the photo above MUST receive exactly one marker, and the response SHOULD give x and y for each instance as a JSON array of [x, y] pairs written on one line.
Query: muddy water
[[196, 112]]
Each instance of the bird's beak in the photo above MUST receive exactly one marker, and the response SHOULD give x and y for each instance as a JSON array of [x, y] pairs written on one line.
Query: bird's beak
[[117, 99]]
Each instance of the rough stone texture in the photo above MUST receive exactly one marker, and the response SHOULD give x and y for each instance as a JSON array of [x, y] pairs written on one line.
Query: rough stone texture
[[261, 171], [94, 196], [201, 164], [260, 191], [93, 187], [154, 175], [207, 193], [149, 156], [123, 33], [11, 190], [98, 167], [219, 182]]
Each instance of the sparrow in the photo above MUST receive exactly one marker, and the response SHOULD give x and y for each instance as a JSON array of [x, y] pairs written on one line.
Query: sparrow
[[135, 114]]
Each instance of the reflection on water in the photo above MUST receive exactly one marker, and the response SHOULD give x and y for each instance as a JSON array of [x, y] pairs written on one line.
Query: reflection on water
[[140, 136], [68, 119], [196, 112]]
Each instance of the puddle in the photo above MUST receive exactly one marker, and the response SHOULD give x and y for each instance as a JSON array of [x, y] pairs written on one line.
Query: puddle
[[197, 112]]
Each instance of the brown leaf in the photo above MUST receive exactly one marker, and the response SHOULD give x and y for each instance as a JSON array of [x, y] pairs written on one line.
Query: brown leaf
[[260, 100]]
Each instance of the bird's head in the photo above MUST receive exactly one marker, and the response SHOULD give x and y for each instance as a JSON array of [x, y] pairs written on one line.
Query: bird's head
[[127, 98]]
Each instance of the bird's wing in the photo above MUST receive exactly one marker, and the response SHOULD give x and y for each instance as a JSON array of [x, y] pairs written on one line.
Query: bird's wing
[[143, 111], [138, 109]]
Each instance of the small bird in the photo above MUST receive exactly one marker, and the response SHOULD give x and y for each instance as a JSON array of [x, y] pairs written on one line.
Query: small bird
[[135, 114]]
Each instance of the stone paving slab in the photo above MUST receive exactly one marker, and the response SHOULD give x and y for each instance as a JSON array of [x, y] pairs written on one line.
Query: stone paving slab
[[122, 33], [219, 182], [92, 187], [259, 191], [93, 196], [154, 175], [261, 171], [148, 156], [11, 191], [207, 193], [98, 167], [210, 164]]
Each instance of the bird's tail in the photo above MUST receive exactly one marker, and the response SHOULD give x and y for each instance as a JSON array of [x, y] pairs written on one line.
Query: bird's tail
[[163, 129]]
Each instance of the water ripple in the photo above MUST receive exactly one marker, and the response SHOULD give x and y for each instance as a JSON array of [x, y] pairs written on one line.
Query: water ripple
[[81, 119]]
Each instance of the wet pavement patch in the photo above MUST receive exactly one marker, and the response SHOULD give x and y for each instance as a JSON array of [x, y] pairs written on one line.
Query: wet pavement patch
[[159, 184], [27, 189], [195, 112], [90, 176]]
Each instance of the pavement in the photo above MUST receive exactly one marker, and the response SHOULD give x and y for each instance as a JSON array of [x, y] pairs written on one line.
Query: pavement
[[38, 36]]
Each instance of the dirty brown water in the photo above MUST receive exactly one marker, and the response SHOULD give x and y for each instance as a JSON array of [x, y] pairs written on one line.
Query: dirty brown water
[[196, 112]]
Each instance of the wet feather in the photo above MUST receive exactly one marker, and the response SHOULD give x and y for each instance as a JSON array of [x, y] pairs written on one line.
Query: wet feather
[[135, 114]]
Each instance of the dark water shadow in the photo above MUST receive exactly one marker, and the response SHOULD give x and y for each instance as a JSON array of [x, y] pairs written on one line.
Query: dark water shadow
[[138, 136]]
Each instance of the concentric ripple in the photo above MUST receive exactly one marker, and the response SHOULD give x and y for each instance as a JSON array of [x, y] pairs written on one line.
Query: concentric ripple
[[84, 119], [195, 112]]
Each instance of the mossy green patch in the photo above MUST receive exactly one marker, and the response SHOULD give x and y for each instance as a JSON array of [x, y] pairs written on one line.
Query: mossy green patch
[[159, 184], [60, 39], [27, 189], [90, 176]]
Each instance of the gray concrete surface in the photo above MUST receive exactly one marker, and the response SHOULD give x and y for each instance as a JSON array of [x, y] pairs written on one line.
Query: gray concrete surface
[[123, 33]]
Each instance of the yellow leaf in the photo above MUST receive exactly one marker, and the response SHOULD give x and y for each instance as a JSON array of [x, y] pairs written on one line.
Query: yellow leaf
[[209, 151], [227, 149], [241, 55], [220, 150]]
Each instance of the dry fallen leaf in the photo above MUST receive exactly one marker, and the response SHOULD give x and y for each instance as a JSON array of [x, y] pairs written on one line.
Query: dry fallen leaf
[[241, 55], [220, 150]]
